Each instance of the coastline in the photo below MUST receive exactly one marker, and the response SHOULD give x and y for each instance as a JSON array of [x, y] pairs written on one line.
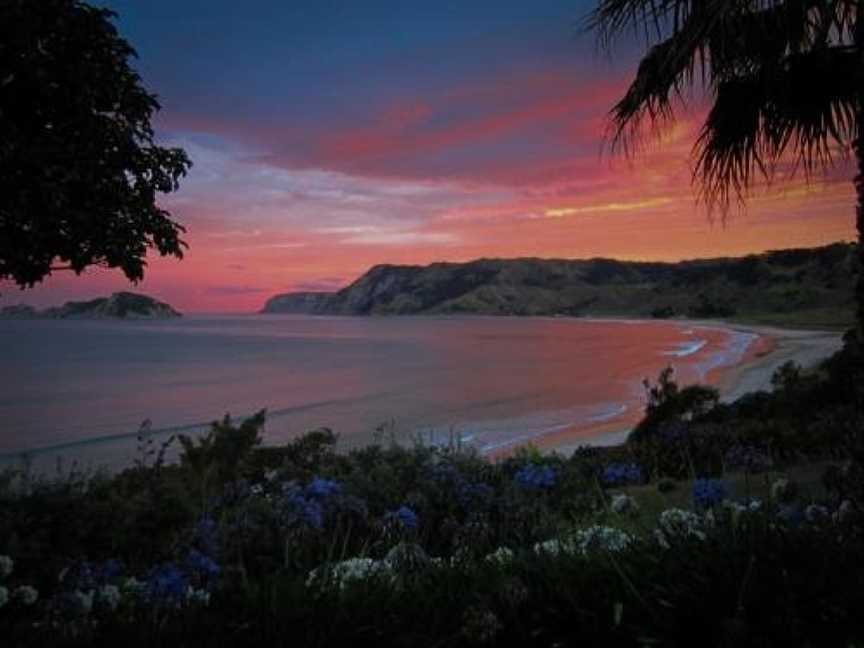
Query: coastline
[[772, 347]]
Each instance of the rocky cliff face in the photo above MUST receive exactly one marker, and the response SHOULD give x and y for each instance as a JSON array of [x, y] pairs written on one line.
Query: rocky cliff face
[[787, 281], [121, 305]]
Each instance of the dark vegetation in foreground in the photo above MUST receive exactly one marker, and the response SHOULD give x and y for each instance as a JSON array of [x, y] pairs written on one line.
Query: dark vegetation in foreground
[[806, 287], [714, 524]]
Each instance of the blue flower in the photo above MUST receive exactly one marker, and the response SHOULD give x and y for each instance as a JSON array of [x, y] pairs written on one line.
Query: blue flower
[[323, 488], [305, 511], [207, 535], [201, 564], [405, 517], [619, 474], [708, 492], [536, 477], [166, 584]]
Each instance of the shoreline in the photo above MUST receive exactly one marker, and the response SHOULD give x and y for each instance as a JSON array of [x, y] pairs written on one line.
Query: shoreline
[[772, 347]]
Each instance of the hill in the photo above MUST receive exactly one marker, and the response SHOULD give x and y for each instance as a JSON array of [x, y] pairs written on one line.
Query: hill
[[120, 305], [802, 284]]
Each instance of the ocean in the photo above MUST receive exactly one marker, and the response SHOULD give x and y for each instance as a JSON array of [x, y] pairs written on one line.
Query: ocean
[[81, 389]]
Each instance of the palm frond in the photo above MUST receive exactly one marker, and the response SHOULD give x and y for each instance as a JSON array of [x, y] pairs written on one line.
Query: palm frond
[[800, 112], [718, 40]]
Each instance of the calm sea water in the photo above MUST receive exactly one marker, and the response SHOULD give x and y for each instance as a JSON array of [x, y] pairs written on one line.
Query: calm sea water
[[82, 388]]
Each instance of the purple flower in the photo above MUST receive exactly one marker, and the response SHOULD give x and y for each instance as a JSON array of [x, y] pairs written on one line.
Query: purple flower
[[201, 564], [166, 584], [533, 476], [323, 488], [708, 492], [619, 474], [404, 517]]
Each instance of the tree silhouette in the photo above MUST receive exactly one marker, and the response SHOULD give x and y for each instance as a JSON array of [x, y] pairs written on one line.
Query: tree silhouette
[[786, 78], [79, 169]]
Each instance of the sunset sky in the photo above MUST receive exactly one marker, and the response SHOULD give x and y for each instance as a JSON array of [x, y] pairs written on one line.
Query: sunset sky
[[331, 135]]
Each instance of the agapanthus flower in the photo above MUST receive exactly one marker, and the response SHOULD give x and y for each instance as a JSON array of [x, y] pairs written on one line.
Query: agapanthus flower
[[109, 596], [407, 556], [207, 535], [620, 474], [556, 547], [6, 566], [83, 600], [708, 492], [345, 572], [404, 517], [166, 584], [534, 476], [602, 538], [623, 504], [501, 556], [676, 524], [25, 594], [323, 488], [201, 564]]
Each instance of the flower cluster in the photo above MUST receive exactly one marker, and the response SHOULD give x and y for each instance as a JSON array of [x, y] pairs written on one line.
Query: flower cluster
[[677, 525], [23, 594], [623, 504], [620, 474], [534, 476], [556, 547], [602, 538], [342, 574], [307, 506], [403, 518], [707, 493], [501, 556]]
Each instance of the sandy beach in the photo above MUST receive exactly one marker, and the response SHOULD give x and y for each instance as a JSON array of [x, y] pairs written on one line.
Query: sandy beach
[[773, 348]]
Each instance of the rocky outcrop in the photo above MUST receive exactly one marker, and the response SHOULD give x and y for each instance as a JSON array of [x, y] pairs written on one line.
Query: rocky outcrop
[[120, 305]]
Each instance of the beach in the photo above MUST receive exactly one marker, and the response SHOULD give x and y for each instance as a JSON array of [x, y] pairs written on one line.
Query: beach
[[772, 348]]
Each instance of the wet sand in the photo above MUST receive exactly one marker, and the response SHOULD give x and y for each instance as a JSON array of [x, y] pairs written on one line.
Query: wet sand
[[774, 347]]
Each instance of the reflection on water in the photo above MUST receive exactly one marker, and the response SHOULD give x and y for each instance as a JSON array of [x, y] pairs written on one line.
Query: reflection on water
[[490, 381]]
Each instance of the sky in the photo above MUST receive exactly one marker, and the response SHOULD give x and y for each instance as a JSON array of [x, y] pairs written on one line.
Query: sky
[[329, 136]]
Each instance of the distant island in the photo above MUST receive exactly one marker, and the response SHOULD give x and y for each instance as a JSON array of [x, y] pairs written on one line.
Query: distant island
[[120, 305], [807, 286]]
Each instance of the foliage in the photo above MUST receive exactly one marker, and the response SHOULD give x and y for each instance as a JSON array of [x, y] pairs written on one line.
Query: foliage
[[79, 166], [669, 404]]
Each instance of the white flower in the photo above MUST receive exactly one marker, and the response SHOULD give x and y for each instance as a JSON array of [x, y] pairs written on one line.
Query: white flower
[[198, 596], [4, 596], [109, 596], [602, 538], [6, 566], [816, 514], [556, 547], [782, 490], [132, 587], [501, 556], [256, 489], [844, 511], [623, 504], [84, 600], [347, 571], [26, 594], [271, 475], [677, 524]]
